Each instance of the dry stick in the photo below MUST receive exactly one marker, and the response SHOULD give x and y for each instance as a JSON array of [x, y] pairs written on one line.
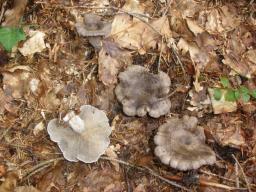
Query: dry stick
[[237, 175], [148, 170], [219, 176], [39, 167], [217, 185], [245, 178]]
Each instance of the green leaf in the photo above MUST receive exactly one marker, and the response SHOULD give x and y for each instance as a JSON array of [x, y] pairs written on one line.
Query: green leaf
[[225, 82], [243, 89], [253, 93], [237, 94], [10, 36], [230, 95], [217, 93], [245, 97]]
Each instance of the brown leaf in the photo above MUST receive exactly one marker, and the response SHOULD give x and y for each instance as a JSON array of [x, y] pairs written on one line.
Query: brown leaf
[[26, 189], [111, 60], [13, 16]]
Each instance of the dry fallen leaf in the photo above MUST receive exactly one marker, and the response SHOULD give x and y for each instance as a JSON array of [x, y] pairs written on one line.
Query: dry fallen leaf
[[34, 44], [13, 16], [139, 35], [111, 60], [26, 189]]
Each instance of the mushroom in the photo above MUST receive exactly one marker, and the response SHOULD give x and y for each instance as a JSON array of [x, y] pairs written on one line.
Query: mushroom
[[141, 92], [94, 28], [181, 144], [83, 137]]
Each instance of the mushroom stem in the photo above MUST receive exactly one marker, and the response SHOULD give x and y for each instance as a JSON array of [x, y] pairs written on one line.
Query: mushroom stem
[[77, 124]]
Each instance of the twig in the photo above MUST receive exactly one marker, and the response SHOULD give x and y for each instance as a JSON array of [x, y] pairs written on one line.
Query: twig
[[160, 55], [237, 175], [39, 167], [148, 170], [245, 178], [217, 185], [219, 176]]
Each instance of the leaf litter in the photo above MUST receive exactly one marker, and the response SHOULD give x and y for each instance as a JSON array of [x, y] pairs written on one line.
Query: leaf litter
[[77, 60]]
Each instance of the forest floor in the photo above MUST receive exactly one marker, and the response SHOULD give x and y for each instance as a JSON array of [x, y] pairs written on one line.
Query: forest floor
[[201, 44]]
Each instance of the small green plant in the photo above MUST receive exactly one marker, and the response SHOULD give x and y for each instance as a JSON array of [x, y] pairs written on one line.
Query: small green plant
[[10, 36], [233, 94]]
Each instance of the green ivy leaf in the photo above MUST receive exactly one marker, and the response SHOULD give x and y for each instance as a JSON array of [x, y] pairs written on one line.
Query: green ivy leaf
[[225, 82], [237, 94], [245, 97], [217, 93], [230, 95], [243, 90], [253, 93], [10, 36]]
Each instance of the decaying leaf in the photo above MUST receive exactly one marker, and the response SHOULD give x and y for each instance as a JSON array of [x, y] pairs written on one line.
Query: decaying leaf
[[230, 134], [26, 189], [219, 19], [106, 180], [13, 16], [9, 183], [34, 44], [141, 92], [83, 137], [221, 106], [111, 60], [139, 35], [181, 144]]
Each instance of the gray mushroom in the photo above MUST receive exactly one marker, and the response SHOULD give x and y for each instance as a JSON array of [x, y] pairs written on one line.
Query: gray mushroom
[[180, 143], [83, 137], [94, 29], [141, 92]]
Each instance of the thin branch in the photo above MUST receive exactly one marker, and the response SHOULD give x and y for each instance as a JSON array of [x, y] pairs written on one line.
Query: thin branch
[[245, 178], [37, 168]]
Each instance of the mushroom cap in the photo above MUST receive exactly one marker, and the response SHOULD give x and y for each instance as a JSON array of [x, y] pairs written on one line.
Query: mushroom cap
[[181, 144], [141, 92], [89, 143], [93, 26]]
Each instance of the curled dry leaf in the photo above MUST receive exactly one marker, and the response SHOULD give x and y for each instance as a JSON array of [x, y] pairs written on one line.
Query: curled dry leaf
[[111, 60], [228, 131], [13, 16], [83, 137], [34, 44], [221, 106], [139, 35], [94, 29], [219, 19], [141, 92], [181, 144]]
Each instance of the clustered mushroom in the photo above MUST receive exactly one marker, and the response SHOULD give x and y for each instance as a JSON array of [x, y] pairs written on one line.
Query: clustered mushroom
[[83, 137], [142, 92], [180, 143]]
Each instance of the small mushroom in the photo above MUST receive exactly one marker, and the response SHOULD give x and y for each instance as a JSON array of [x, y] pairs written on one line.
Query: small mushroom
[[94, 28], [83, 137], [181, 144], [141, 92]]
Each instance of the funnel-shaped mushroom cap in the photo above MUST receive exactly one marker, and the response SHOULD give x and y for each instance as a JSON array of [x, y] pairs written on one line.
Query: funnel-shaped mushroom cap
[[84, 137], [142, 92], [181, 144]]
